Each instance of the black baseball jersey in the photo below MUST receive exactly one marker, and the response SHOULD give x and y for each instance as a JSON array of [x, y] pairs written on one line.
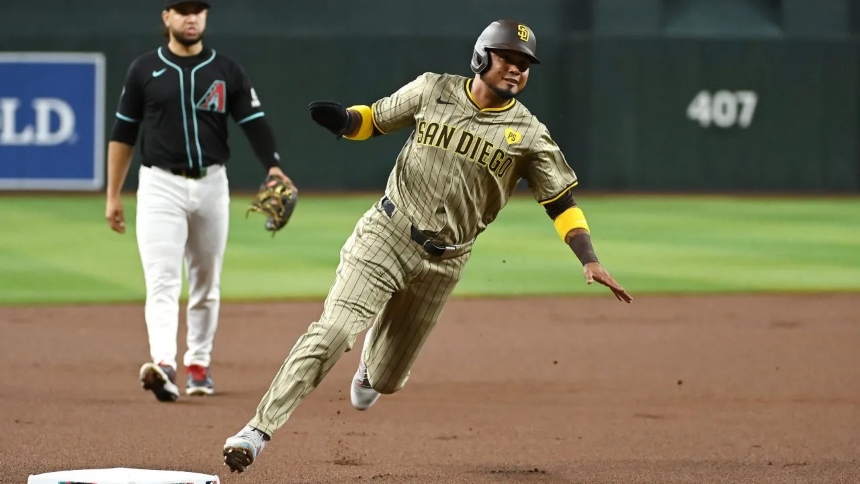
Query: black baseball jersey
[[183, 105]]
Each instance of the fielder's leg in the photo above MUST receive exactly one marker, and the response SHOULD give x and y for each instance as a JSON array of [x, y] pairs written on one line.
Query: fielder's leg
[[208, 223], [371, 268], [162, 230]]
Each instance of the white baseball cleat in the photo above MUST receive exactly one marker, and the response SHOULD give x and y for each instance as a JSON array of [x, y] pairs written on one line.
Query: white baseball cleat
[[361, 394], [161, 380], [242, 449]]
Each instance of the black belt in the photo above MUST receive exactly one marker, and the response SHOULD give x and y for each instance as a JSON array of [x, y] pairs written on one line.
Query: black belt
[[193, 173], [417, 236]]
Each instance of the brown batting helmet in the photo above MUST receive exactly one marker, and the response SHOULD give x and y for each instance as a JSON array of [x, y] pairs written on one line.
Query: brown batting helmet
[[503, 35]]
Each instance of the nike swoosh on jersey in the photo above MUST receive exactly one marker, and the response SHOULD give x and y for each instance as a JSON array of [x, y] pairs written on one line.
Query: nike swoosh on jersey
[[440, 101], [158, 73]]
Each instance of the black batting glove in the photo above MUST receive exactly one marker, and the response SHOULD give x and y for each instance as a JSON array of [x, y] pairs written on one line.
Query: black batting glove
[[330, 115]]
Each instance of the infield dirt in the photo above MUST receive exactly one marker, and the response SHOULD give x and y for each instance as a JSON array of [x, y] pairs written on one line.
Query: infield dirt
[[666, 390]]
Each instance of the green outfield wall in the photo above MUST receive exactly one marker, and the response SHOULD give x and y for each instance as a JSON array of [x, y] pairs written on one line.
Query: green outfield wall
[[687, 95]]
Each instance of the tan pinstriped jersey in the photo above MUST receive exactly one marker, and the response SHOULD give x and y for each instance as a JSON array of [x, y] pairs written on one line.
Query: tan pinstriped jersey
[[461, 164]]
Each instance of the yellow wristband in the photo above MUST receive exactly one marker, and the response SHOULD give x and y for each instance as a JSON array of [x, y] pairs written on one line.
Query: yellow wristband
[[570, 219], [365, 131]]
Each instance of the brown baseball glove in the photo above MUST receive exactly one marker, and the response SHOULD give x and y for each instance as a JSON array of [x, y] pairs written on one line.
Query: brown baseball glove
[[277, 201]]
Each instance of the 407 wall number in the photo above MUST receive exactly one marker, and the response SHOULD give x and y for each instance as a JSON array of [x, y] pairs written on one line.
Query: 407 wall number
[[723, 109]]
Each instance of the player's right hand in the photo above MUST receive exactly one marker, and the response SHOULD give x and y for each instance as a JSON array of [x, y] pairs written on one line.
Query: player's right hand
[[115, 215], [330, 115]]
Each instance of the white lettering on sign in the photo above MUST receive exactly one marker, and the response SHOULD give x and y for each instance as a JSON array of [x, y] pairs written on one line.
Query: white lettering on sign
[[39, 133], [723, 109]]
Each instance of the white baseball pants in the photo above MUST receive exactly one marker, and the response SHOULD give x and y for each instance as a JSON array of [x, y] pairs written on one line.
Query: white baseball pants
[[182, 220]]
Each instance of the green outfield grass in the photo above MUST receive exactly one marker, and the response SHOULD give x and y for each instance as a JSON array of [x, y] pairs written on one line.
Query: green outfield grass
[[60, 250]]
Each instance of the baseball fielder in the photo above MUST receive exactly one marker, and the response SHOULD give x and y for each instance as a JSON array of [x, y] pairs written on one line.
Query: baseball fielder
[[471, 143], [180, 98]]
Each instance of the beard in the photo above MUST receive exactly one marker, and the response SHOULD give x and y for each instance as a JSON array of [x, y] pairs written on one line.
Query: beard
[[506, 93], [185, 40]]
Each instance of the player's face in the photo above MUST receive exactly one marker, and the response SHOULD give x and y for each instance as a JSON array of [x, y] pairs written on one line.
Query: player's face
[[186, 22], [508, 73]]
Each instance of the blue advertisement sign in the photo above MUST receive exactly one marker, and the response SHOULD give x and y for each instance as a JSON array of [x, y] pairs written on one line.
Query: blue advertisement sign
[[51, 121]]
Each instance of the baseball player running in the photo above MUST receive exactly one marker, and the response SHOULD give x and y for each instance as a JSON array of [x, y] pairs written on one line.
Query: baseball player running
[[179, 98], [471, 143]]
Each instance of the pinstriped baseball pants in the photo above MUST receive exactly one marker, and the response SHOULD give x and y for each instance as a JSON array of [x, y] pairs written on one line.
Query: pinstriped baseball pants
[[383, 279]]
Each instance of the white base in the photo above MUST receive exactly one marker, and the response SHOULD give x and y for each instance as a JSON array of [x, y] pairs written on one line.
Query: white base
[[122, 476]]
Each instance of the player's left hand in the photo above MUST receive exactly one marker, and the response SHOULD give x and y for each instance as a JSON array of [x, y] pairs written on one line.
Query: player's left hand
[[277, 172], [276, 200], [593, 271]]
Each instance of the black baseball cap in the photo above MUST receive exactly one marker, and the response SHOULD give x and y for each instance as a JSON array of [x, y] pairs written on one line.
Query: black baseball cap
[[172, 3]]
